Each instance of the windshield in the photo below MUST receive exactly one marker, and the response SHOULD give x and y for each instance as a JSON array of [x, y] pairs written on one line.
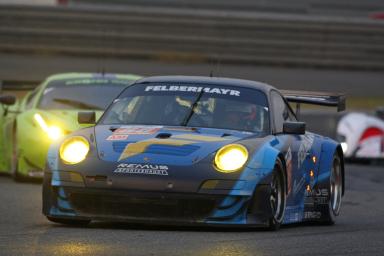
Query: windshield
[[83, 94], [209, 106]]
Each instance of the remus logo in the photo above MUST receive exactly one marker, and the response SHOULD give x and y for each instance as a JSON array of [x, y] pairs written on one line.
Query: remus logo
[[144, 169]]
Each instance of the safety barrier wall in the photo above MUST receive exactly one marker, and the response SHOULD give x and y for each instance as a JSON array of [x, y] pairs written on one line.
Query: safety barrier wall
[[191, 35], [355, 8]]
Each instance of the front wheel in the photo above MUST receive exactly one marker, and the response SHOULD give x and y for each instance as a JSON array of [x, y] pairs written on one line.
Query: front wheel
[[277, 198], [335, 191]]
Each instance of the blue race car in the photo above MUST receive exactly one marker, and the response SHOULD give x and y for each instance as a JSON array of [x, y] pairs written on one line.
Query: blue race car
[[199, 151]]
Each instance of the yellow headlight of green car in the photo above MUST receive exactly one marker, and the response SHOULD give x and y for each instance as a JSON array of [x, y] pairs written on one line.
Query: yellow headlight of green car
[[54, 132], [74, 150], [231, 158]]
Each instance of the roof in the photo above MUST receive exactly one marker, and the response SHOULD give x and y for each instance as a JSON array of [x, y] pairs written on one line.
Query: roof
[[64, 76], [208, 80]]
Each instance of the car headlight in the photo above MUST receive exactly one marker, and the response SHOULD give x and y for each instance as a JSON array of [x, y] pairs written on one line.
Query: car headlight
[[231, 158], [74, 150], [54, 132]]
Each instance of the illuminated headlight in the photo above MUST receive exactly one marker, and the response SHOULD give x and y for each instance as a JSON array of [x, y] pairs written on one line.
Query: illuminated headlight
[[74, 150], [344, 146], [231, 158], [53, 132]]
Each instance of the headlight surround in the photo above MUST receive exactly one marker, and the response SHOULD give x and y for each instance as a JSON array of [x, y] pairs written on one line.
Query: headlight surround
[[74, 150], [231, 158]]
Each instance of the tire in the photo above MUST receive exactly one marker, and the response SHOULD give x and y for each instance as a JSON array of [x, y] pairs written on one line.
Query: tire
[[71, 222], [335, 189], [278, 196]]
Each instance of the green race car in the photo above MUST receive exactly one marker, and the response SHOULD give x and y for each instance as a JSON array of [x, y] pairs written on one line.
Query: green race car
[[50, 112]]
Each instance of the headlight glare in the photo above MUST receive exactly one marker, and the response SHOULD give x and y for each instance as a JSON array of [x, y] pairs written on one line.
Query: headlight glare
[[53, 132], [231, 158], [74, 150]]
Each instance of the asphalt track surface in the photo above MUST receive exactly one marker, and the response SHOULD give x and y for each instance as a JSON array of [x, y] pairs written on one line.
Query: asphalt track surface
[[29, 67], [359, 229]]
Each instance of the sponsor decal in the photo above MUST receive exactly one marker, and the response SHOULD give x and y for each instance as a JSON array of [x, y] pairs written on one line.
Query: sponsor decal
[[139, 147], [137, 130], [297, 186], [144, 169], [176, 88], [316, 196], [312, 215], [305, 147], [96, 81], [317, 192], [117, 137]]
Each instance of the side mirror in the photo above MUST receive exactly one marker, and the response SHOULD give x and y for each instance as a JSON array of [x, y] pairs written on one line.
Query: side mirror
[[86, 117], [380, 112], [7, 99], [294, 128]]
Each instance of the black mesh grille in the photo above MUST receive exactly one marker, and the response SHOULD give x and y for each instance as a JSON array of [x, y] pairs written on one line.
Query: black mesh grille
[[144, 207]]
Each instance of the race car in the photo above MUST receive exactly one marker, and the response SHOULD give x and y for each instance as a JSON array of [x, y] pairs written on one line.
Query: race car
[[362, 135], [186, 150], [50, 112]]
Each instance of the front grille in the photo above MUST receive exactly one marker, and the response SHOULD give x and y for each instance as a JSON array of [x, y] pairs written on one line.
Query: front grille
[[162, 207]]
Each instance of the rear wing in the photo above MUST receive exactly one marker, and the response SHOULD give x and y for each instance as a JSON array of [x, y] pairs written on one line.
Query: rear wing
[[315, 98]]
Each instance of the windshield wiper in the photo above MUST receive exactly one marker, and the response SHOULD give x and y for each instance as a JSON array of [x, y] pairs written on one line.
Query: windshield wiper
[[77, 104], [192, 111]]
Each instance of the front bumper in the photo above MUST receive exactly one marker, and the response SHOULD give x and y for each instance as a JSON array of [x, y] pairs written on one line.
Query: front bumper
[[135, 206]]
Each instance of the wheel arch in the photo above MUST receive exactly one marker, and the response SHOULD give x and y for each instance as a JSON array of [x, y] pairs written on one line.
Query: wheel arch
[[340, 153], [281, 157], [329, 149]]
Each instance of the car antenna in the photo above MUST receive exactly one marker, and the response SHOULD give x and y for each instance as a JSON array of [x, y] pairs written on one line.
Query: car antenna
[[218, 63], [103, 55]]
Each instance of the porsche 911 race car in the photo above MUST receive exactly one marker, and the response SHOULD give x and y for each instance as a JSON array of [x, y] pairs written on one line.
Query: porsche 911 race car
[[198, 151], [50, 112], [362, 135]]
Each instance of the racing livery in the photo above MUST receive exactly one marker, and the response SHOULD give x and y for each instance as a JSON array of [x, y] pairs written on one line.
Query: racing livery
[[362, 135], [196, 151], [48, 113]]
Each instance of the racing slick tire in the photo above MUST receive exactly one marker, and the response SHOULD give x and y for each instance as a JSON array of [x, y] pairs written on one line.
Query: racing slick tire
[[70, 222], [335, 192], [278, 196]]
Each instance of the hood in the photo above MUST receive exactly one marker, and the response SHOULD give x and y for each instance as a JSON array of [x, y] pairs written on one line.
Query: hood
[[161, 144]]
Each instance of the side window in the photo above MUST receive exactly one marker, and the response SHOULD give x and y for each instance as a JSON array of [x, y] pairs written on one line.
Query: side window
[[30, 100], [281, 111]]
